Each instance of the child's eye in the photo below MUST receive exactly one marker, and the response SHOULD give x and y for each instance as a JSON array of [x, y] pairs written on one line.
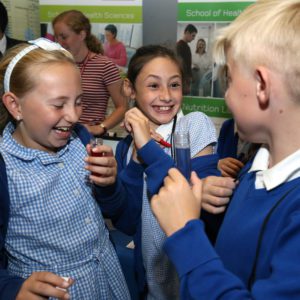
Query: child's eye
[[175, 84], [60, 106], [153, 85]]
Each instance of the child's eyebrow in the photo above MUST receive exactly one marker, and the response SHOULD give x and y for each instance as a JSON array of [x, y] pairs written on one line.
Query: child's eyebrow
[[158, 77]]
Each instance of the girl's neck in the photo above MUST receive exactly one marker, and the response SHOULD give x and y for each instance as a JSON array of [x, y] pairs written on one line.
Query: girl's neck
[[82, 55]]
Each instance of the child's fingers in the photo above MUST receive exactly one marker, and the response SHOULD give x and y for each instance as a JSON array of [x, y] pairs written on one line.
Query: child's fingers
[[196, 186], [44, 285]]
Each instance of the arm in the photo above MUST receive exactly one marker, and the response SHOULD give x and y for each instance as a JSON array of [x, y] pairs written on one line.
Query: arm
[[203, 275], [120, 104], [117, 115], [9, 285], [14, 287], [131, 179]]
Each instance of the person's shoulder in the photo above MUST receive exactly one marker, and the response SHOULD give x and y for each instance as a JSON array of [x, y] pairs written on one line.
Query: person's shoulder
[[13, 42], [195, 116], [103, 60]]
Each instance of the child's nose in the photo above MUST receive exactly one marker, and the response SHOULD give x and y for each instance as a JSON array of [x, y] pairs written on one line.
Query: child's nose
[[72, 115], [165, 94]]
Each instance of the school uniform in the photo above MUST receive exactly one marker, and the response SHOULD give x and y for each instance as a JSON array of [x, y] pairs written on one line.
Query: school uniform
[[51, 221], [155, 273], [257, 253]]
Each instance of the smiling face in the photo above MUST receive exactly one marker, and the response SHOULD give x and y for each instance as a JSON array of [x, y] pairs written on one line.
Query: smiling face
[[50, 110], [158, 90]]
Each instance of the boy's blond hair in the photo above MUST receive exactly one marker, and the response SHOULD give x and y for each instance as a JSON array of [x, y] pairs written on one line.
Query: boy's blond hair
[[266, 33]]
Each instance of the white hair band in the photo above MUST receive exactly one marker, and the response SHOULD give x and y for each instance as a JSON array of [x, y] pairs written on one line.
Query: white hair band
[[38, 43]]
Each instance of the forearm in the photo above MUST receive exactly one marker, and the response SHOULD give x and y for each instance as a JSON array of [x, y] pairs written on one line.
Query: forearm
[[115, 117], [202, 274]]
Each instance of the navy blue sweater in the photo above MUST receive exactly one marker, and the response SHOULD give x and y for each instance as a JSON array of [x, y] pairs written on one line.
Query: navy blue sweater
[[156, 166]]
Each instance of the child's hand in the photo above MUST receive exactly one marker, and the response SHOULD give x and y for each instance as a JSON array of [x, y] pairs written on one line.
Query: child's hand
[[102, 165], [216, 193], [136, 123], [42, 285], [177, 203], [230, 167]]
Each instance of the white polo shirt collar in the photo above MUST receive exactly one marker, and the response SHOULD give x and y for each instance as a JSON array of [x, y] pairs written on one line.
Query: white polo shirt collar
[[284, 171]]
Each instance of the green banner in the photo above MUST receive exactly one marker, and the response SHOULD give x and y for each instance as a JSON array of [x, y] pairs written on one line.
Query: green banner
[[96, 14], [210, 11], [212, 107]]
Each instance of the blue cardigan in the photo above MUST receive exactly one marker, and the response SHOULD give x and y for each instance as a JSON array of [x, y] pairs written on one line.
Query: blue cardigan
[[113, 202], [238, 268], [227, 140], [156, 165]]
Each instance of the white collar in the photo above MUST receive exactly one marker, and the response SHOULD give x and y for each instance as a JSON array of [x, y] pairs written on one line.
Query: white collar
[[3, 43], [285, 170], [165, 130]]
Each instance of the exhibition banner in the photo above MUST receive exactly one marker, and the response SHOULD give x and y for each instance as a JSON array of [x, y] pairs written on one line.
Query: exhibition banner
[[206, 90], [126, 15]]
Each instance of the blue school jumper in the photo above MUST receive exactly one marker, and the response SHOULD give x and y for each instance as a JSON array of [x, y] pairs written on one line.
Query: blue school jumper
[[157, 162], [257, 253]]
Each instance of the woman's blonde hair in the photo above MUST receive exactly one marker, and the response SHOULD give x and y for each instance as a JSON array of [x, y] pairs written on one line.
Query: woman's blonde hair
[[23, 78], [77, 22], [266, 33]]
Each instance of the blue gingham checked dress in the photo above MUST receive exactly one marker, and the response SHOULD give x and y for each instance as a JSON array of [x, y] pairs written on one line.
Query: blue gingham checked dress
[[55, 224], [162, 278]]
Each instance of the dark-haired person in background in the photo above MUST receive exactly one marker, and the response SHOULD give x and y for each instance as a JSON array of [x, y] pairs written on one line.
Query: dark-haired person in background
[[184, 52], [113, 48], [5, 41]]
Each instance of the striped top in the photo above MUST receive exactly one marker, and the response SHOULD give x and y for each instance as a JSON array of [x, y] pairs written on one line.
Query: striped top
[[97, 74]]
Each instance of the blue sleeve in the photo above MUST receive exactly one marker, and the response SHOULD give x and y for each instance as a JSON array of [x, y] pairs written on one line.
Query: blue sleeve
[[157, 164], [203, 275], [227, 140], [130, 177], [201, 272], [111, 199], [9, 285]]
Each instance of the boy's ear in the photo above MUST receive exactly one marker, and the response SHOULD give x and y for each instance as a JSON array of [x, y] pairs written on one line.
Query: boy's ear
[[262, 86], [128, 89], [11, 102]]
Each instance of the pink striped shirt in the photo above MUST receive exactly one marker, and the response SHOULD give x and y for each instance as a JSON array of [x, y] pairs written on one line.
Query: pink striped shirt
[[97, 73]]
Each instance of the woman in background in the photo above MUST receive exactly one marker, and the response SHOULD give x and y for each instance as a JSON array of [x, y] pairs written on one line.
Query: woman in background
[[201, 64], [113, 48], [100, 77]]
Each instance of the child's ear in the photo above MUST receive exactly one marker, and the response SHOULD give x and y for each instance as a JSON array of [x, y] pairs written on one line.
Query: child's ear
[[128, 89], [262, 86], [11, 102]]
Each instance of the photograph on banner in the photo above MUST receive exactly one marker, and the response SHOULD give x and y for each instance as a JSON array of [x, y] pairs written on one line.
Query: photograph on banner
[[207, 17], [204, 82], [198, 23], [124, 19], [116, 24]]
